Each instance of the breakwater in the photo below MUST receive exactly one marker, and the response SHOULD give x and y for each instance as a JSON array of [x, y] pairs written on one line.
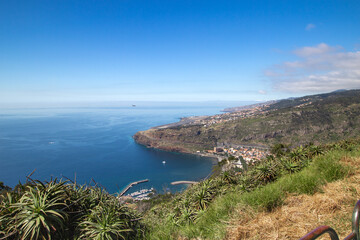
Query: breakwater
[[183, 182], [130, 185]]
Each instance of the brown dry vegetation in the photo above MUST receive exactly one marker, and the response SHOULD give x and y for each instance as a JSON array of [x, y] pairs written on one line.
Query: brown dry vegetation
[[300, 214]]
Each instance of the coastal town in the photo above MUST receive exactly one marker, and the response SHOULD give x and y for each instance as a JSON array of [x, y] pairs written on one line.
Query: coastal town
[[250, 154], [231, 114], [247, 153]]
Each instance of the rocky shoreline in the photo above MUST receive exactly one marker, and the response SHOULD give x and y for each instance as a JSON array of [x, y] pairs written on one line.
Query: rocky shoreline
[[142, 139]]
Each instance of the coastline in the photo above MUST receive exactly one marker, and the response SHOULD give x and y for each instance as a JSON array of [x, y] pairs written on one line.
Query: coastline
[[166, 138], [199, 154], [147, 141], [214, 159], [217, 157], [138, 138], [183, 121], [193, 135]]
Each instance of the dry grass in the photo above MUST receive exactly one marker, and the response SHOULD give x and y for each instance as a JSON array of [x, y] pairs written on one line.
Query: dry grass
[[300, 214]]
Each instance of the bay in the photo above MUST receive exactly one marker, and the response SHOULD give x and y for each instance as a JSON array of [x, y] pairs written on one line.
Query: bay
[[95, 143]]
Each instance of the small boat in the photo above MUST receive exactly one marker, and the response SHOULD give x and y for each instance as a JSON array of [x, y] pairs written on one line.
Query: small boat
[[134, 105], [163, 162]]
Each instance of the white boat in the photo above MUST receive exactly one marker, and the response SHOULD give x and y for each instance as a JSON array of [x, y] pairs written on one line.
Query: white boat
[[163, 162]]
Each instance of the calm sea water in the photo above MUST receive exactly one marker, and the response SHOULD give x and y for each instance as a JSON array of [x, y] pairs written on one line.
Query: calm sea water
[[95, 143]]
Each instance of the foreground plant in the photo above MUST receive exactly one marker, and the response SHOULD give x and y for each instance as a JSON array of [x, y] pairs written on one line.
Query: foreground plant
[[105, 223], [65, 210], [39, 213]]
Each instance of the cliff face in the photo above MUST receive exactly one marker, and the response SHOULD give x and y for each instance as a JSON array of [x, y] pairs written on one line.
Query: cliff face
[[173, 139], [319, 119], [154, 139]]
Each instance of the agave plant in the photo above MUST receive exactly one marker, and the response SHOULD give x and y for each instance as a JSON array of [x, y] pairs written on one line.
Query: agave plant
[[347, 145], [266, 171], [289, 166], [314, 151], [297, 154], [185, 202], [6, 213], [203, 195], [246, 183], [228, 178], [188, 216], [39, 213], [104, 223], [173, 219]]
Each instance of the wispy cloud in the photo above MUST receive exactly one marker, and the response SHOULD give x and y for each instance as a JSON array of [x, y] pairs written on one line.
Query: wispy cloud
[[318, 69], [310, 26], [262, 91], [322, 48]]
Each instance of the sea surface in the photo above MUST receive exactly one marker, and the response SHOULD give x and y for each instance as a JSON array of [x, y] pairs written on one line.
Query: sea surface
[[95, 145]]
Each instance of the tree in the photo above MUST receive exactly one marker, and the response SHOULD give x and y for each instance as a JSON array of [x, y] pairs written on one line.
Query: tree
[[279, 149], [4, 187], [243, 164]]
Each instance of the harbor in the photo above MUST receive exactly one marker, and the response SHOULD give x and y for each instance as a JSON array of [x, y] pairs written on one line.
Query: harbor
[[143, 194], [131, 185]]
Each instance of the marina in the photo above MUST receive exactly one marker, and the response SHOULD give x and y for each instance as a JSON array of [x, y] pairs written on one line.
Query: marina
[[142, 194], [130, 185]]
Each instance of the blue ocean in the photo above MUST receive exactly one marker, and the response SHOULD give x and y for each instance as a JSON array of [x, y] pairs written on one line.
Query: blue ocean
[[95, 145]]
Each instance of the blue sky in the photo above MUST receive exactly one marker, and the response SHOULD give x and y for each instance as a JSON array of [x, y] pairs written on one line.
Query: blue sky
[[91, 51]]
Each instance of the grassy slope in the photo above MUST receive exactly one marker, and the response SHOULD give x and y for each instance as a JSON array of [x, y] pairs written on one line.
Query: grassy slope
[[220, 219], [299, 214]]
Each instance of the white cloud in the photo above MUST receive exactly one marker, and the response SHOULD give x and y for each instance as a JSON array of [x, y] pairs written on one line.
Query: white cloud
[[262, 91], [321, 48], [319, 68], [310, 26]]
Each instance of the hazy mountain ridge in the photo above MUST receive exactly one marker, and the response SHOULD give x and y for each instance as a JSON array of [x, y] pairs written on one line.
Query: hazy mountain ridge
[[318, 118]]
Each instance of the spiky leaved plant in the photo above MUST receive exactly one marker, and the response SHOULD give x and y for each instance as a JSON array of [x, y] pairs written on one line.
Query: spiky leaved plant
[[298, 154], [6, 214], [314, 150], [39, 213], [266, 171], [203, 195], [105, 222], [228, 177], [289, 166], [188, 215]]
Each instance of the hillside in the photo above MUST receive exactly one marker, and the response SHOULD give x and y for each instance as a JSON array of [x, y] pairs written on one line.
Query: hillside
[[332, 206], [282, 197], [319, 118]]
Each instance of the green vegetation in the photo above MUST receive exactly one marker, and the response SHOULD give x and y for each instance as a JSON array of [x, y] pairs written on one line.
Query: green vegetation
[[65, 210], [203, 210]]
